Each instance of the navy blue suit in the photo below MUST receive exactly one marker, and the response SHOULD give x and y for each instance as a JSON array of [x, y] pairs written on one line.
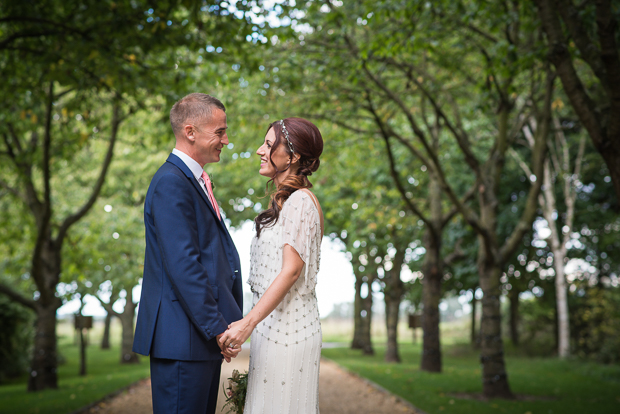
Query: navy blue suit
[[191, 291]]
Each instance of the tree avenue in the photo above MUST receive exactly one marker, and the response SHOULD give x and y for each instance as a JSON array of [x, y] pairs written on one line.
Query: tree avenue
[[449, 153], [73, 71], [465, 72]]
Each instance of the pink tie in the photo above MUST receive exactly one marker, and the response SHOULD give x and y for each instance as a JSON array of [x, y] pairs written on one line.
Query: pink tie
[[207, 180]]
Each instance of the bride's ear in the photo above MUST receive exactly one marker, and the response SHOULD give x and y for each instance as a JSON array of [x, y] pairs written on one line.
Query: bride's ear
[[295, 159]]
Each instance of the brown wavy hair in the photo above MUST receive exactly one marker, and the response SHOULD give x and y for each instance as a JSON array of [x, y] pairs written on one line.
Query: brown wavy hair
[[307, 142]]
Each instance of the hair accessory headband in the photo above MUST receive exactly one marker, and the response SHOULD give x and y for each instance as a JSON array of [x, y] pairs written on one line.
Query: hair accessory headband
[[286, 136]]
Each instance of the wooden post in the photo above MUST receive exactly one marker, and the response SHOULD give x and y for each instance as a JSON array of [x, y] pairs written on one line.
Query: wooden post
[[81, 323], [415, 321]]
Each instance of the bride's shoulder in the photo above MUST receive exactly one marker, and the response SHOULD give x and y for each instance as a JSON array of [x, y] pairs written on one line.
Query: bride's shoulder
[[298, 202], [299, 197]]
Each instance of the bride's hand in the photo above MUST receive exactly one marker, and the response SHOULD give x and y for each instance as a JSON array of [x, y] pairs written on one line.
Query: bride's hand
[[237, 333]]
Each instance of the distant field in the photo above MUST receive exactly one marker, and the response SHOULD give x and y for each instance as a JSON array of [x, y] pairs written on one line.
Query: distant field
[[341, 330]]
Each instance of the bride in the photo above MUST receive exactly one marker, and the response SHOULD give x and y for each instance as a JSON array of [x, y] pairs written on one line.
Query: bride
[[284, 323]]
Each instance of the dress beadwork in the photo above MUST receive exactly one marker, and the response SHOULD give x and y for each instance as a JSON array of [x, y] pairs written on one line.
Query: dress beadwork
[[286, 345]]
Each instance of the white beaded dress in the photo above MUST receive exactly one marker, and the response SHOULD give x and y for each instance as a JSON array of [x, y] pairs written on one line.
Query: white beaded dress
[[285, 347]]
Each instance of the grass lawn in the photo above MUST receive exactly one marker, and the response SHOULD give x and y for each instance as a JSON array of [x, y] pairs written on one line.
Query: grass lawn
[[105, 375], [558, 387]]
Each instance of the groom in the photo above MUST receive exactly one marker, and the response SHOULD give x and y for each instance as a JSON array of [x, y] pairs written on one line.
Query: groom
[[191, 288]]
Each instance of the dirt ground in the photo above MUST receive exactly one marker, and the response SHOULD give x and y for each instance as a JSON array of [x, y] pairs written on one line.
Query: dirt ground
[[339, 393]]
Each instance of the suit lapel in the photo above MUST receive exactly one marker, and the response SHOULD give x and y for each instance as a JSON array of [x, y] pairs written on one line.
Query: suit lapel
[[173, 159]]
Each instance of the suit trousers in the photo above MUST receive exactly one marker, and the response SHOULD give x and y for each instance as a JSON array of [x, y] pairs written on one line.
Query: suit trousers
[[185, 387]]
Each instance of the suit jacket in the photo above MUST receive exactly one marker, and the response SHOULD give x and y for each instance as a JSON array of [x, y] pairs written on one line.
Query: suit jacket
[[191, 287]]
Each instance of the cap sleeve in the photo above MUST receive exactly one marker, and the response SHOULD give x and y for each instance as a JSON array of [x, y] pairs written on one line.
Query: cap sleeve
[[302, 231]]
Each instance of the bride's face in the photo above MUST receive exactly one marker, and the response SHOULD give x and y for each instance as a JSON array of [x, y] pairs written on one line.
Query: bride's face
[[267, 153]]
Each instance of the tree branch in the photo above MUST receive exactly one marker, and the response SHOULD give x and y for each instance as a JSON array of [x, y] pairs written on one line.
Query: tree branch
[[23, 168], [108, 306], [72, 219], [47, 143], [560, 56], [456, 254], [15, 296], [607, 31], [538, 159], [339, 123], [13, 191], [394, 172], [461, 139], [5, 44], [587, 49], [450, 214]]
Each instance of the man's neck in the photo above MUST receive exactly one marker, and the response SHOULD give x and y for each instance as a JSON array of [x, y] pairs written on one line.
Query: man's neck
[[189, 153]]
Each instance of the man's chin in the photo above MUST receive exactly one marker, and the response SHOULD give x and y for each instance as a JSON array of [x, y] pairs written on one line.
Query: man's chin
[[214, 159]]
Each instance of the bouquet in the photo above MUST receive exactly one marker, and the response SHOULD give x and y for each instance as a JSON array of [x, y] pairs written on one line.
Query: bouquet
[[235, 392]]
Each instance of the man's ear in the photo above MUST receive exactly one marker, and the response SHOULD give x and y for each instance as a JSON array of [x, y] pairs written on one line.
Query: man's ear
[[189, 131]]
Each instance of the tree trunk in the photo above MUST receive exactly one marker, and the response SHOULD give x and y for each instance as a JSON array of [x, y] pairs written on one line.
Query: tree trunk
[[127, 323], [105, 340], [393, 294], [431, 295], [611, 154], [358, 307], [366, 337], [558, 248], [562, 309], [558, 244], [46, 271], [82, 353], [43, 369], [494, 376], [431, 284], [473, 334], [556, 326], [513, 296]]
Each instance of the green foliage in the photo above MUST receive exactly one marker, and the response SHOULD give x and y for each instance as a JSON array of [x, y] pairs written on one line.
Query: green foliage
[[595, 323], [550, 385], [15, 339], [236, 392], [537, 325], [105, 376]]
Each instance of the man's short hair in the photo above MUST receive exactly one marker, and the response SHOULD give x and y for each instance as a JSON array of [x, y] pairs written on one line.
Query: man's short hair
[[192, 109]]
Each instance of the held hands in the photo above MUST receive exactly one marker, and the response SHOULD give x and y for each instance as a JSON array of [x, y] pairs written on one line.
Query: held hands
[[236, 334], [229, 353]]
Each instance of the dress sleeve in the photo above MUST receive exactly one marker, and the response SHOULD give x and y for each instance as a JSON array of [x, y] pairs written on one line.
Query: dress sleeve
[[302, 231]]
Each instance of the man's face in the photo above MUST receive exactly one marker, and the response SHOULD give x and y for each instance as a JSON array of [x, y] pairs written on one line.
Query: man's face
[[210, 137]]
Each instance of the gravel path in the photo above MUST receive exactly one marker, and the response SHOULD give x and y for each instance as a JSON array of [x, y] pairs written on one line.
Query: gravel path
[[339, 393]]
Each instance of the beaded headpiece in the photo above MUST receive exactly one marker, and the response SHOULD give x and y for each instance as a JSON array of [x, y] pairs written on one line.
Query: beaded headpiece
[[286, 136]]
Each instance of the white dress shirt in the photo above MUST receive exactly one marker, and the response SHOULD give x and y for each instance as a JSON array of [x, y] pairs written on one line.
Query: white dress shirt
[[194, 167]]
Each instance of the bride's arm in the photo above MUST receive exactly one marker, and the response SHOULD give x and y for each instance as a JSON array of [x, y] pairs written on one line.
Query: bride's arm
[[241, 330]]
